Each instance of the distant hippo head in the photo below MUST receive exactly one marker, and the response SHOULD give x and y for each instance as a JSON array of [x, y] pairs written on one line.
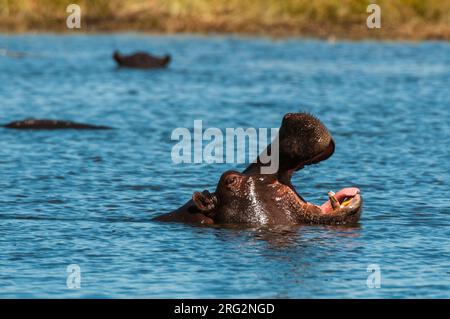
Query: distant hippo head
[[141, 60]]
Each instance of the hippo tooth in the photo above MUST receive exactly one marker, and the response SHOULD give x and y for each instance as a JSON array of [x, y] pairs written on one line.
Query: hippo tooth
[[334, 202]]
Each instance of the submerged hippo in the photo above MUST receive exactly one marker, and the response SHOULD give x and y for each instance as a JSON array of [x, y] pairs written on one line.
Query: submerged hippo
[[141, 60], [270, 199], [36, 124]]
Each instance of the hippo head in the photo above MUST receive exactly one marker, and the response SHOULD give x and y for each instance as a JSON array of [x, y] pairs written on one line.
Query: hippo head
[[255, 198]]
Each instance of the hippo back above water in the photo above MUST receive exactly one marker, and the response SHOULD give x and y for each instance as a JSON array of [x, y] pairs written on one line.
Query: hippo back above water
[[45, 124]]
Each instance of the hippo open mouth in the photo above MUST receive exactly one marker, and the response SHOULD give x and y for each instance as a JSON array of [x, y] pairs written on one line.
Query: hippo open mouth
[[347, 198], [252, 197]]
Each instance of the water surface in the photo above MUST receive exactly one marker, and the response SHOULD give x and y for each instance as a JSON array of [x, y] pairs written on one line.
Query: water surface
[[86, 198]]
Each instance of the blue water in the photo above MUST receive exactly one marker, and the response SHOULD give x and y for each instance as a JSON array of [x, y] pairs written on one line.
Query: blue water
[[86, 198]]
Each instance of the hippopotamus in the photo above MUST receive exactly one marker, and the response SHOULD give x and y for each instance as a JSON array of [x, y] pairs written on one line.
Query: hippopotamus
[[253, 198], [141, 60], [37, 124]]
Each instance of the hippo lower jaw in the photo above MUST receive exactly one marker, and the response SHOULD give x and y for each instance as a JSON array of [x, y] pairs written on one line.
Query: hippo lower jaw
[[268, 201]]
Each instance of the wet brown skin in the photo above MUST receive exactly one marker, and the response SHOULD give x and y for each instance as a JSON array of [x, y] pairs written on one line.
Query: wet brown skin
[[270, 199], [43, 124], [141, 60]]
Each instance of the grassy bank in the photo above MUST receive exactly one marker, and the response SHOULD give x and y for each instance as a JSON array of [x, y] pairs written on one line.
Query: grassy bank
[[400, 19]]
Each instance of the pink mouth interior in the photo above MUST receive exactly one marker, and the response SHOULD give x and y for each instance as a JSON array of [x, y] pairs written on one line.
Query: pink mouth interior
[[343, 194]]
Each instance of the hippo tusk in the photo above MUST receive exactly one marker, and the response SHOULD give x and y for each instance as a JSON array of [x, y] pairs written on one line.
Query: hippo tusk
[[333, 200]]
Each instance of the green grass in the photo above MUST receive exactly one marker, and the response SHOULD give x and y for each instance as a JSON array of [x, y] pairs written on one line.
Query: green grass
[[410, 19]]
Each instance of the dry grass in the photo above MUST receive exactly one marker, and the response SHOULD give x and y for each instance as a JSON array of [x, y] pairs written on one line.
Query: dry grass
[[405, 19]]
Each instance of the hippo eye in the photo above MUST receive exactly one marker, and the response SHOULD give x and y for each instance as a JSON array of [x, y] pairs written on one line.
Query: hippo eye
[[231, 181]]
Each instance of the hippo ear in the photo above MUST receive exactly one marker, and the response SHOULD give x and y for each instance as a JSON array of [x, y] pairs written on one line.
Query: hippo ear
[[205, 201]]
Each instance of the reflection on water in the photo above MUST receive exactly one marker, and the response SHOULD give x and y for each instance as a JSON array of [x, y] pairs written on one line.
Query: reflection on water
[[283, 237], [87, 198]]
